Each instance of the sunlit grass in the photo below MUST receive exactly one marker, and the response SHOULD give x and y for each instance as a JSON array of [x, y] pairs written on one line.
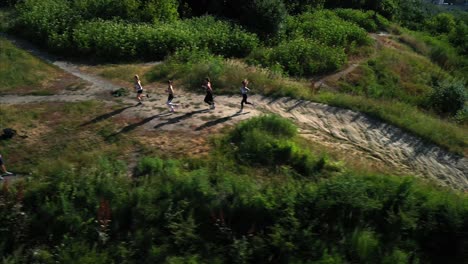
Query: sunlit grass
[[19, 69]]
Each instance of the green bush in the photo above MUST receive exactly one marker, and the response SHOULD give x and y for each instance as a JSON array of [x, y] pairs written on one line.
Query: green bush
[[327, 28], [268, 141], [298, 6], [302, 57], [220, 37], [265, 17], [45, 20], [442, 23], [459, 37], [364, 19], [449, 97], [119, 40], [133, 10]]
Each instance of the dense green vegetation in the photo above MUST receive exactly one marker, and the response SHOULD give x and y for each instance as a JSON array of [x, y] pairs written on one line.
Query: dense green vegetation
[[234, 207]]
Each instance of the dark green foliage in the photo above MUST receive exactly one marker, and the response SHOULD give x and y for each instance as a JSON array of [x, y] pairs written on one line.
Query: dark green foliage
[[64, 27], [204, 213], [298, 6], [449, 97], [264, 17], [132, 10], [261, 16], [46, 21], [268, 141], [327, 28], [8, 3], [443, 23], [366, 20], [387, 8], [459, 37], [117, 40]]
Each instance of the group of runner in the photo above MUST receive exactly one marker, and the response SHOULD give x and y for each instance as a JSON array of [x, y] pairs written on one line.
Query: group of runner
[[170, 91], [206, 85]]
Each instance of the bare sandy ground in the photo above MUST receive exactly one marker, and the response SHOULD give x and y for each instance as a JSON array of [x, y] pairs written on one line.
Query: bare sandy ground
[[348, 131]]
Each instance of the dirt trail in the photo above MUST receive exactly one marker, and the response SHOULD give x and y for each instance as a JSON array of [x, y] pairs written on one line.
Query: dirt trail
[[345, 130]]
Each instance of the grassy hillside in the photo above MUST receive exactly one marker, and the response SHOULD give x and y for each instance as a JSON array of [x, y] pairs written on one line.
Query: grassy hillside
[[22, 73]]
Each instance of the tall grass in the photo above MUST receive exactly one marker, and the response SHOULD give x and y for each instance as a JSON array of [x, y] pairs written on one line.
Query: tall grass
[[439, 50], [192, 211]]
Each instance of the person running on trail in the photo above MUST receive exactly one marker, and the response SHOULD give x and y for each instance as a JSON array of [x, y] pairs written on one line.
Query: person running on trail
[[209, 93], [139, 89], [5, 172], [170, 91], [244, 90]]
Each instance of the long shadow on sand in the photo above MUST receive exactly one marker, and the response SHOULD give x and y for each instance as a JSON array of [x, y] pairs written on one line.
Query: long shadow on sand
[[219, 121], [180, 118], [106, 116], [134, 126]]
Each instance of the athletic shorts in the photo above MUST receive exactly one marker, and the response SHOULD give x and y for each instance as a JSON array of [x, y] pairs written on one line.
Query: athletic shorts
[[139, 91], [170, 97]]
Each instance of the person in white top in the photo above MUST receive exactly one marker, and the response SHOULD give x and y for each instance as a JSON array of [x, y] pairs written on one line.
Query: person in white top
[[170, 91], [244, 90], [139, 89]]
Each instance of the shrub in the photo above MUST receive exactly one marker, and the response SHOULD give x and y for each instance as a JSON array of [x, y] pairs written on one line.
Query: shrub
[[298, 6], [442, 23], [302, 57], [361, 18], [459, 37], [449, 97], [118, 40], [364, 19], [132, 10], [327, 28], [221, 37], [264, 17], [267, 140], [41, 20]]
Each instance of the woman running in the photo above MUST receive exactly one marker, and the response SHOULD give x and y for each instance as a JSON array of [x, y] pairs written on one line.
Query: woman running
[[139, 89], [170, 91], [244, 90], [209, 93]]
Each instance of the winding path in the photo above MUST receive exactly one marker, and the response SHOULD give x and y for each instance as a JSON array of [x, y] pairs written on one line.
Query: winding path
[[346, 130]]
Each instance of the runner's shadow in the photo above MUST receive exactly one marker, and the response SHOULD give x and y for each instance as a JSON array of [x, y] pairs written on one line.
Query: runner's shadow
[[106, 116], [219, 121], [297, 104], [180, 118], [134, 126]]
